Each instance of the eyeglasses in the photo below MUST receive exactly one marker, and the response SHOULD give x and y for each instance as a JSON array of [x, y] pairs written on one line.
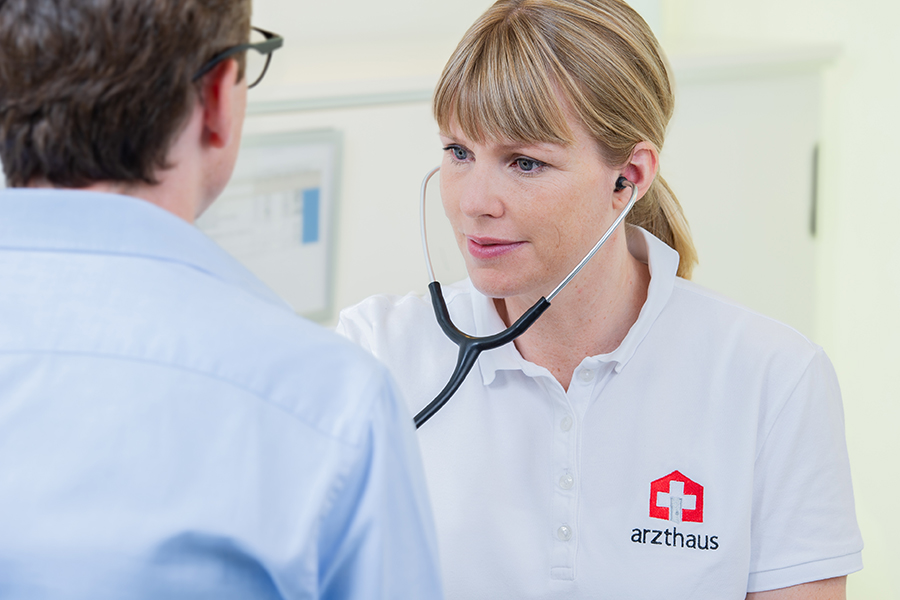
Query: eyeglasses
[[256, 63]]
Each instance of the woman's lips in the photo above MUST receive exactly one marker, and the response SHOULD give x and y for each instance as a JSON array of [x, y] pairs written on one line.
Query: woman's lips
[[487, 248]]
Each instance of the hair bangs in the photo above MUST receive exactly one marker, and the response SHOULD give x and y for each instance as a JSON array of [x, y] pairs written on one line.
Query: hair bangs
[[502, 84]]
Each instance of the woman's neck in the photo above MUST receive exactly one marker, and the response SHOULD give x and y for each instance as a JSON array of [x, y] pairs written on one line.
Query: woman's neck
[[591, 316]]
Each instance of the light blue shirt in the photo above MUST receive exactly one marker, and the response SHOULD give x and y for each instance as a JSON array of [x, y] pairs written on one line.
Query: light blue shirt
[[170, 429]]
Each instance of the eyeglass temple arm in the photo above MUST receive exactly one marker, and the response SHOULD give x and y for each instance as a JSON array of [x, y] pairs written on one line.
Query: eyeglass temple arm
[[470, 346], [272, 43]]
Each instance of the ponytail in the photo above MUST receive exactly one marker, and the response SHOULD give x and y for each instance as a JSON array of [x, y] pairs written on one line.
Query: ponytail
[[660, 213]]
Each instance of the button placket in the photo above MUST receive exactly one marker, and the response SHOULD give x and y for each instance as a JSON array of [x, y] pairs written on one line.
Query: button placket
[[565, 494], [563, 513], [586, 385]]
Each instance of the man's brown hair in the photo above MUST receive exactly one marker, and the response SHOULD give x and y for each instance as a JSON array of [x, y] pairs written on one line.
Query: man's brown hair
[[97, 90]]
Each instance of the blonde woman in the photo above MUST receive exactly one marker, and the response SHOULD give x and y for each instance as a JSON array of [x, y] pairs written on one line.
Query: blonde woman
[[645, 438]]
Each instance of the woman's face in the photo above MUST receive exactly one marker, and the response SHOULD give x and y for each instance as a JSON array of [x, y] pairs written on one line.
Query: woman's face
[[525, 214]]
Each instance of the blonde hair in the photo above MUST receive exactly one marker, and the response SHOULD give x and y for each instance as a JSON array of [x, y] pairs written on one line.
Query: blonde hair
[[525, 62]]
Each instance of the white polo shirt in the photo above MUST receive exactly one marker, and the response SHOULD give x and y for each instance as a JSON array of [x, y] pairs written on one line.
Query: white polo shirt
[[702, 459]]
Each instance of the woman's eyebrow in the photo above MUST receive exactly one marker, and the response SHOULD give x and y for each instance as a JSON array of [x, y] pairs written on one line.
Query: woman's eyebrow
[[528, 147], [508, 146]]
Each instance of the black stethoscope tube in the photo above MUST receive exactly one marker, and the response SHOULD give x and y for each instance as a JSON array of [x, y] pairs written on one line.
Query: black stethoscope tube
[[470, 347]]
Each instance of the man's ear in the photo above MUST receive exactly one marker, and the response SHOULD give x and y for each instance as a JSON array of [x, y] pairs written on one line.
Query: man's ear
[[640, 170], [217, 97]]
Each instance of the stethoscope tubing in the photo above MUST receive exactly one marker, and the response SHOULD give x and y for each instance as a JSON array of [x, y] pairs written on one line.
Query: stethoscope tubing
[[470, 347], [422, 227]]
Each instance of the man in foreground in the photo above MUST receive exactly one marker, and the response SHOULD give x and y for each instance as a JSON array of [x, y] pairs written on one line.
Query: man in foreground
[[168, 427]]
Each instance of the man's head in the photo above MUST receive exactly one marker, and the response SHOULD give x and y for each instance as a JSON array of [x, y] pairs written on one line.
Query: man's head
[[99, 90]]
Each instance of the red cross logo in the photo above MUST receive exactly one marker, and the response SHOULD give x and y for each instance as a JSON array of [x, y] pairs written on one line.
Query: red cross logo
[[676, 498]]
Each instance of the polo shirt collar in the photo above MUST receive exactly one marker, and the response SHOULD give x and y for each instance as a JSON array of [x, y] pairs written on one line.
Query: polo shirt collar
[[113, 224], [663, 263]]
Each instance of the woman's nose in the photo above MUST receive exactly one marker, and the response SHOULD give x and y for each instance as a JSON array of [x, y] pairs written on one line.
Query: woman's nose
[[480, 195]]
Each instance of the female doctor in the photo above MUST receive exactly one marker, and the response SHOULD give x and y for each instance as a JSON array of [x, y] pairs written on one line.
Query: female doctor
[[645, 438]]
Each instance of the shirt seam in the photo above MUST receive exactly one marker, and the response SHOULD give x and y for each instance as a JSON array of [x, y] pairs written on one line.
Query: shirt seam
[[205, 374], [680, 285], [783, 406], [168, 260], [808, 562]]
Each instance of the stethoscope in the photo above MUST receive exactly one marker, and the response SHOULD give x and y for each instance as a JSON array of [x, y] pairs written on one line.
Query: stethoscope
[[470, 346]]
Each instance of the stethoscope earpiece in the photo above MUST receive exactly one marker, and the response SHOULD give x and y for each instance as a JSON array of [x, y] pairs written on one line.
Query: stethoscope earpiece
[[620, 183]]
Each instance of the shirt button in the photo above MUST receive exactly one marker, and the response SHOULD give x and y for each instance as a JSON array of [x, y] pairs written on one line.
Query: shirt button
[[566, 423], [566, 481], [564, 533], [586, 375]]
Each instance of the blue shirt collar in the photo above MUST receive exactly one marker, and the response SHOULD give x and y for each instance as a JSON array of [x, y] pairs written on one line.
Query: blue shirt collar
[[101, 223]]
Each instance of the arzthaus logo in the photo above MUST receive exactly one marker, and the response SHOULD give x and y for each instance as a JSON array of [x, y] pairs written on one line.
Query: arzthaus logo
[[677, 499]]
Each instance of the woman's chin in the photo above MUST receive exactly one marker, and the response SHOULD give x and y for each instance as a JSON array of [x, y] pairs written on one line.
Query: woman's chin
[[494, 286]]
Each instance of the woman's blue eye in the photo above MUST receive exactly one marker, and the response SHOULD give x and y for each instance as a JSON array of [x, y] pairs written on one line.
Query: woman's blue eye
[[527, 164], [458, 153]]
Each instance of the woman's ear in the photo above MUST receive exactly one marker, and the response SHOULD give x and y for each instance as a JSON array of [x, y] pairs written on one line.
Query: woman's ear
[[640, 170]]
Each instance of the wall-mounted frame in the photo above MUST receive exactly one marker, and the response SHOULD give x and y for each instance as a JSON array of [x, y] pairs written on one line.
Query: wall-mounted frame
[[277, 215]]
